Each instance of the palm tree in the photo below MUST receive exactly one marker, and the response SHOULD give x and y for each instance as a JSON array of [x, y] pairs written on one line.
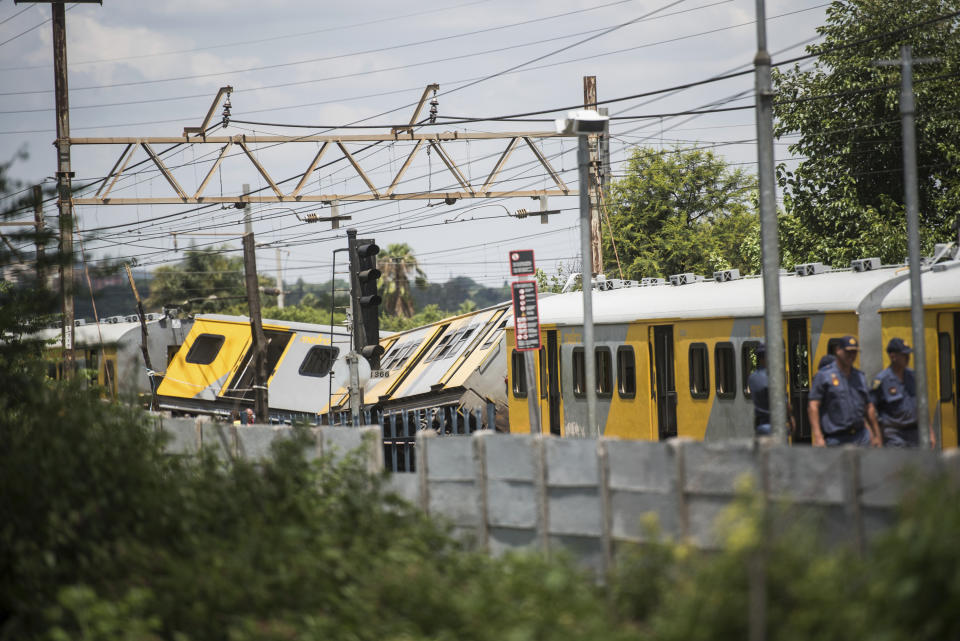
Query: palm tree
[[397, 265]]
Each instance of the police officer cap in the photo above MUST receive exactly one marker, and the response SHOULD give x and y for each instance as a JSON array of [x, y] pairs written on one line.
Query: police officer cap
[[897, 345], [850, 343]]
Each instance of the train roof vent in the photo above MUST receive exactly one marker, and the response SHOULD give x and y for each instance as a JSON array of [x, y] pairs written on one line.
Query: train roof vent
[[809, 269], [865, 264], [615, 283], [646, 282], [685, 279], [726, 274]]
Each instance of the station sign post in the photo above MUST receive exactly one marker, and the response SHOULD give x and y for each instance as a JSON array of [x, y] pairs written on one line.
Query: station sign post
[[526, 327]]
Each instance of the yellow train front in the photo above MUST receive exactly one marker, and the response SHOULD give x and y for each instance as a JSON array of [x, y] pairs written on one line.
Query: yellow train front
[[672, 358]]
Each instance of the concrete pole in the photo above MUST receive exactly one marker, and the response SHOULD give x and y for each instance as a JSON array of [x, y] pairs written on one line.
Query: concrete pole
[[772, 316], [591, 429], [911, 200], [280, 300], [596, 247], [64, 188], [247, 221]]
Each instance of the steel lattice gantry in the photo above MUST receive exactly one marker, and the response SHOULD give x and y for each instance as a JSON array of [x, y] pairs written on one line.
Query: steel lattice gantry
[[432, 141]]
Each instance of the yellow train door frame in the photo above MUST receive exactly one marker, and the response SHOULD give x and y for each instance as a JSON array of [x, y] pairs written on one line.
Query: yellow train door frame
[[946, 402]]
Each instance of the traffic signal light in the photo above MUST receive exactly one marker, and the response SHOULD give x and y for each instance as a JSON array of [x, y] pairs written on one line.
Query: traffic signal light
[[365, 300]]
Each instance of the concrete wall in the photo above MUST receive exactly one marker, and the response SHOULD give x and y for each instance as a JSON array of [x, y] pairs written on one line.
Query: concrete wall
[[504, 491], [513, 491], [189, 435]]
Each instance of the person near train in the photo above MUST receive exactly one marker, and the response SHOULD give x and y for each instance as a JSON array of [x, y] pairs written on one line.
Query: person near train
[[848, 416], [759, 387], [894, 393]]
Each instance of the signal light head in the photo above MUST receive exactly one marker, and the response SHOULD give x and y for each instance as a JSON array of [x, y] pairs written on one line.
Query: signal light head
[[372, 299], [368, 250]]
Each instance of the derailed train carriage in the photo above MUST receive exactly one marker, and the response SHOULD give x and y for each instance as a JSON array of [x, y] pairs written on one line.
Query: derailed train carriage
[[672, 359], [213, 372], [110, 354], [447, 376]]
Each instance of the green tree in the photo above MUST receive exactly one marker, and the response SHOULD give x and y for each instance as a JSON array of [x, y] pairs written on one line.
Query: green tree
[[845, 198], [206, 280], [681, 210], [398, 264]]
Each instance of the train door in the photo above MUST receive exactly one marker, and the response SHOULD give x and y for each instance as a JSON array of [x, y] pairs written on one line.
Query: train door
[[666, 383], [948, 383], [798, 363], [553, 382]]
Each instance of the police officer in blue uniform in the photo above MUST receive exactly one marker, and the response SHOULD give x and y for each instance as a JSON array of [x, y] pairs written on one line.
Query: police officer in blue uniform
[[759, 388], [894, 393], [841, 390]]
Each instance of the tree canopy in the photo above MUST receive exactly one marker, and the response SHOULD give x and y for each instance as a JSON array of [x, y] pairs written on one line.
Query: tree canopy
[[845, 198], [398, 264], [206, 280], [681, 210]]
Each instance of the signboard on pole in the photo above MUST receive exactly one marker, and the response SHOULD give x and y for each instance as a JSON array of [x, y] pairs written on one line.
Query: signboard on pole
[[526, 315], [521, 262]]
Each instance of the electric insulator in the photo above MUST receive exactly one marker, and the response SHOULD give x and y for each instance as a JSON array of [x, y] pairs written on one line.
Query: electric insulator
[[434, 104]]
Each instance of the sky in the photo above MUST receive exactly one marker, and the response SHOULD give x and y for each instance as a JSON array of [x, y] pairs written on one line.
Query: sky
[[142, 68]]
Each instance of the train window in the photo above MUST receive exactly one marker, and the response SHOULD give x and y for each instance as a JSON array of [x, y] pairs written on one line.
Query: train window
[[519, 372], [604, 361], [579, 373], [494, 335], [442, 347], [319, 360], [725, 361], [626, 372], [748, 363], [699, 370], [205, 349], [946, 380]]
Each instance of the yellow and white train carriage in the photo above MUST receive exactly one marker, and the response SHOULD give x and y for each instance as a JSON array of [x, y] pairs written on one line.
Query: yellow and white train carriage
[[673, 360], [212, 373], [941, 320]]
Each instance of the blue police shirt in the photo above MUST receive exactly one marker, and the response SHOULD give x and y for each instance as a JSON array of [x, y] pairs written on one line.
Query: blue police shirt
[[895, 400], [760, 394], [843, 398]]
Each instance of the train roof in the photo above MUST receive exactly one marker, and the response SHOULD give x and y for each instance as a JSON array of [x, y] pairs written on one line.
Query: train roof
[[840, 290], [292, 325], [88, 334], [940, 286]]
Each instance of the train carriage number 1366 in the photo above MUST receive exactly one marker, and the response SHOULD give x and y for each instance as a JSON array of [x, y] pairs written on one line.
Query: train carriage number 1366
[[526, 316]]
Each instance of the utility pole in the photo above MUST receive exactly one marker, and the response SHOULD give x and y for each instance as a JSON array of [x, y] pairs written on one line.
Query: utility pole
[[64, 188], [247, 221], [279, 279], [261, 402], [911, 203], [593, 184], [586, 280], [770, 249], [38, 223]]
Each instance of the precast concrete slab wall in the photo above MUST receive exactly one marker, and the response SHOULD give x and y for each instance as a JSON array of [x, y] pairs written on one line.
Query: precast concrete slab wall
[[505, 492]]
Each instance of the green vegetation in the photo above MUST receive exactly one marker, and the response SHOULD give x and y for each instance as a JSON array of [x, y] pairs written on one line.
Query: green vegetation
[[845, 198], [680, 211]]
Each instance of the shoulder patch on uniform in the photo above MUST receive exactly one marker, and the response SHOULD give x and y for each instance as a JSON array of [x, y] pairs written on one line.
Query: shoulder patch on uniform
[[877, 383], [834, 379], [893, 390]]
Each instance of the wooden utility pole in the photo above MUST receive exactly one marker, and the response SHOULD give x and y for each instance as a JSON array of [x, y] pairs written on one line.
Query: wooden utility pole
[[64, 188], [143, 338], [38, 224], [593, 188], [260, 403]]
